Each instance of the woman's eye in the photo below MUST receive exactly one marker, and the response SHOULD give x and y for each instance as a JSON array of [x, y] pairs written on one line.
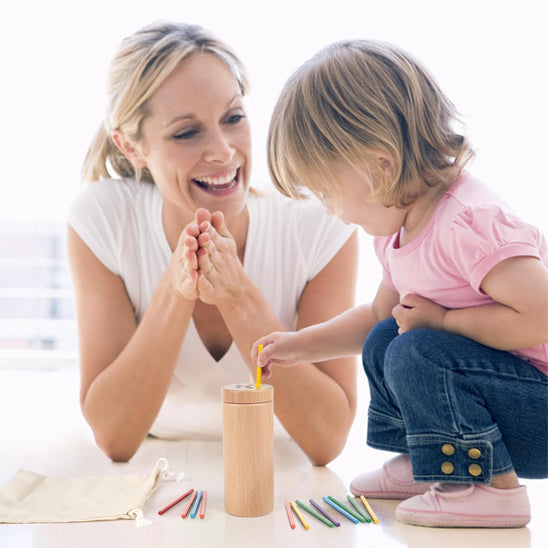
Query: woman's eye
[[235, 118], [186, 134]]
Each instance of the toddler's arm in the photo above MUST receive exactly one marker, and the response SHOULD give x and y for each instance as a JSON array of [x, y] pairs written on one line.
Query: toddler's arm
[[518, 318], [341, 336]]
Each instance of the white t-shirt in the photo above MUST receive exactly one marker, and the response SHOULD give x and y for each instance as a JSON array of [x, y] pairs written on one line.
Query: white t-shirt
[[288, 244]]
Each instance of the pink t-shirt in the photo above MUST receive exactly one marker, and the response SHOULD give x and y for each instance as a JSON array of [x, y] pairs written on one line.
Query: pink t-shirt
[[470, 231]]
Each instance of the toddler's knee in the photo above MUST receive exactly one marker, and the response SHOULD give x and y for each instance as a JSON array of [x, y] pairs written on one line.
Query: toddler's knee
[[409, 359], [376, 343]]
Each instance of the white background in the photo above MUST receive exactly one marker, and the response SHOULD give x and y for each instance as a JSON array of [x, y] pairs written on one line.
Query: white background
[[489, 56]]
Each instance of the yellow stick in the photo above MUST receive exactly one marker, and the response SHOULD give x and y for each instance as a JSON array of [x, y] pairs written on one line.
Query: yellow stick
[[369, 509], [259, 370], [299, 515]]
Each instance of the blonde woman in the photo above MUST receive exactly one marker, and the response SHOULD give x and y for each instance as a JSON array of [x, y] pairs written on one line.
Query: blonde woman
[[456, 339], [178, 266]]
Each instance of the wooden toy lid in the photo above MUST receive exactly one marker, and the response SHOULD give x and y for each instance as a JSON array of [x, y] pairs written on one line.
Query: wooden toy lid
[[247, 393]]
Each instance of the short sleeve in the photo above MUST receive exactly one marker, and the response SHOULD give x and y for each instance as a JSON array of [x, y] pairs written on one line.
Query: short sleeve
[[96, 215], [482, 236], [323, 236]]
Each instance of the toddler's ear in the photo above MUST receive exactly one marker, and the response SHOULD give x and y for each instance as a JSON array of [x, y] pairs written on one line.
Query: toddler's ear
[[131, 152], [385, 161]]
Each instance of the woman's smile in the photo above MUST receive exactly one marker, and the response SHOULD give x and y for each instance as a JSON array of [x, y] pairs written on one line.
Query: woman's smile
[[196, 138], [220, 184]]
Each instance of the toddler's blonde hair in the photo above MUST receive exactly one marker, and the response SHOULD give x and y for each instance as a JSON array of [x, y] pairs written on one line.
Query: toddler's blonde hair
[[351, 99]]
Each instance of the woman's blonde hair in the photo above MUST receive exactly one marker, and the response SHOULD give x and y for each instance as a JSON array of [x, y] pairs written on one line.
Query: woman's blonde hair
[[141, 64], [353, 98]]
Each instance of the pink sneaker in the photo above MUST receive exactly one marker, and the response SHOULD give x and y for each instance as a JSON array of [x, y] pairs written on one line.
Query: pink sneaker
[[393, 481], [473, 505]]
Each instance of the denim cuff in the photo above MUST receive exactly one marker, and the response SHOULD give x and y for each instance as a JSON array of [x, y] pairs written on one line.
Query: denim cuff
[[386, 432], [470, 459]]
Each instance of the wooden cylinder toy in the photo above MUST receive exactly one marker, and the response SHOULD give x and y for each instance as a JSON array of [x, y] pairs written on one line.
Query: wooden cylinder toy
[[248, 449]]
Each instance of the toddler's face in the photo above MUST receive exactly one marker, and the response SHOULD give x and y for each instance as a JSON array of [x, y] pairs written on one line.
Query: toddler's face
[[357, 205]]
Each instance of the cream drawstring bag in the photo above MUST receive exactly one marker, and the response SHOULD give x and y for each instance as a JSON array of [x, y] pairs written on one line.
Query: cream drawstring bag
[[33, 498]]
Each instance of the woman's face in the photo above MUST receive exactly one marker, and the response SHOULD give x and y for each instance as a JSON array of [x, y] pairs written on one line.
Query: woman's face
[[196, 139]]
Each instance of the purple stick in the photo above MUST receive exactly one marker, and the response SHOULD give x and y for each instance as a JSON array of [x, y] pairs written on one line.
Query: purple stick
[[324, 513]]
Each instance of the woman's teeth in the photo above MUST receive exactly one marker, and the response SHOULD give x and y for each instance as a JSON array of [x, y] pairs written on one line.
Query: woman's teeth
[[218, 183]]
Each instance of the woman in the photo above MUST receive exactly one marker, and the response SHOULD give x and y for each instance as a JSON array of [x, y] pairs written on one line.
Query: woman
[[178, 267]]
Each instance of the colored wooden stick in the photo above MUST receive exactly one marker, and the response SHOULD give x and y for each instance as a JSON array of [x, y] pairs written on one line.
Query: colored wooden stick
[[289, 515], [186, 510], [196, 503], [176, 501], [324, 513], [259, 370], [299, 515], [358, 509], [315, 514], [359, 517], [340, 510], [203, 507], [369, 509]]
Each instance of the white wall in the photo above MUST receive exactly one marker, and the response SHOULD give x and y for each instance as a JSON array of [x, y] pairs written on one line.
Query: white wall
[[488, 55]]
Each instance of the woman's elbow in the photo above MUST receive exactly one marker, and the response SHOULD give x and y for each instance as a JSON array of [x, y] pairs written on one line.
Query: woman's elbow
[[116, 449], [325, 452], [328, 447]]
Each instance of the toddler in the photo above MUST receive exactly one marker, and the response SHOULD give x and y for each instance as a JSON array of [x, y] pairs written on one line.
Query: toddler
[[456, 338]]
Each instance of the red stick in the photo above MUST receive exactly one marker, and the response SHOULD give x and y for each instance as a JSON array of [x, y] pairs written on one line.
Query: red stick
[[171, 505]]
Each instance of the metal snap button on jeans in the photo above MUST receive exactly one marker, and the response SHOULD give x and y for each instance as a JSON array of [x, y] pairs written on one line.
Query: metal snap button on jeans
[[475, 470], [447, 449], [447, 467], [474, 453]]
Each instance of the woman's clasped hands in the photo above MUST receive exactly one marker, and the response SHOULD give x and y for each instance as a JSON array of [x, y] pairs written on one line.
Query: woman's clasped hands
[[205, 264]]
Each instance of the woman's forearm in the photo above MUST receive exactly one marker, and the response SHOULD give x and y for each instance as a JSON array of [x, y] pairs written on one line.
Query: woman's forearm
[[247, 316], [315, 403], [123, 400], [316, 408], [320, 399]]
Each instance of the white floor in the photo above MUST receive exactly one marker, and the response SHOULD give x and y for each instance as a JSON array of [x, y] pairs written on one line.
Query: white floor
[[28, 393]]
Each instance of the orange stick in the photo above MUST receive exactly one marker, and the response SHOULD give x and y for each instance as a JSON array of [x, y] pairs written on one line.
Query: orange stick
[[187, 509]]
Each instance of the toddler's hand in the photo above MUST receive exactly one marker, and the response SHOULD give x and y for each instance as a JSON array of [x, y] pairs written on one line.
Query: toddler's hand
[[415, 312], [280, 348]]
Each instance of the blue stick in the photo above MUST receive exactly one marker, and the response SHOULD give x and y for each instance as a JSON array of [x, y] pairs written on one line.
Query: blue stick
[[195, 505], [340, 510]]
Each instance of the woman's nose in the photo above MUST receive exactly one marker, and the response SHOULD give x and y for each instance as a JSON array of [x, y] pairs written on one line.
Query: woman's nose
[[219, 148]]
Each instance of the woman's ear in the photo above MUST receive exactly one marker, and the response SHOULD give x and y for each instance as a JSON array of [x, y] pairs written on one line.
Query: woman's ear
[[131, 152]]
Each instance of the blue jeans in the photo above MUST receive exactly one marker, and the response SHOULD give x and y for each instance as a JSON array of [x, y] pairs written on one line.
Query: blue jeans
[[463, 411]]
